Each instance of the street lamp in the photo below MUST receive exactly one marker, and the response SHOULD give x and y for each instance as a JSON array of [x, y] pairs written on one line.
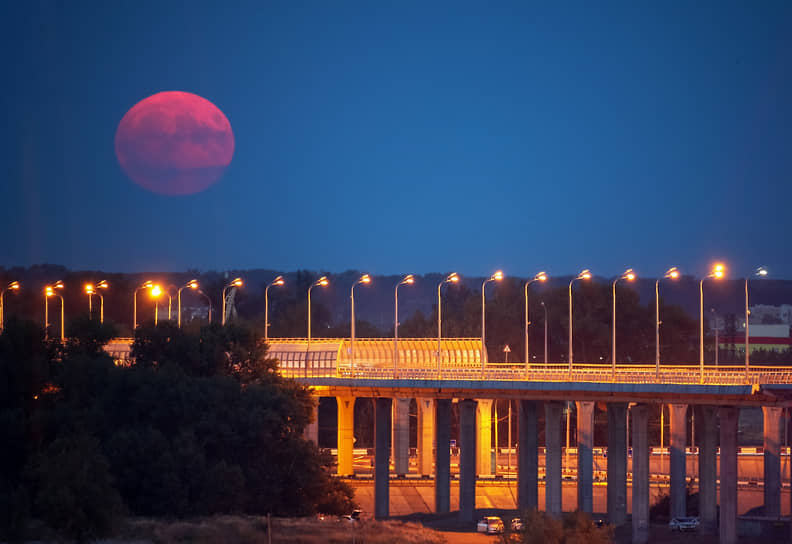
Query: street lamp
[[718, 271], [192, 284], [584, 275], [237, 282], [146, 285], [541, 276], [90, 290], [49, 291], [277, 281], [628, 275], [671, 273], [208, 301], [497, 276], [156, 291], [452, 278], [13, 286], [760, 272], [407, 280], [365, 278], [321, 282]]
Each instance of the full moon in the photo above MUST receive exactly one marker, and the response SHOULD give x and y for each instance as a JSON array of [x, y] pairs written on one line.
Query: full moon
[[174, 143]]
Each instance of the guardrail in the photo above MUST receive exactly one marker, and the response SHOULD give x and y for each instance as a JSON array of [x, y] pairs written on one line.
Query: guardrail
[[631, 374]]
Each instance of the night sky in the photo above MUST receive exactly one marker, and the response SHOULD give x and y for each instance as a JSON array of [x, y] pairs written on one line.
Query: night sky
[[408, 137]]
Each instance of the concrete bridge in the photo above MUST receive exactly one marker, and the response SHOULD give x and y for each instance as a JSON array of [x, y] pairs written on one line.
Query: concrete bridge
[[375, 369], [436, 374]]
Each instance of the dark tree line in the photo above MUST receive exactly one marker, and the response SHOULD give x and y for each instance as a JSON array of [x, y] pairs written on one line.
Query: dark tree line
[[200, 424]]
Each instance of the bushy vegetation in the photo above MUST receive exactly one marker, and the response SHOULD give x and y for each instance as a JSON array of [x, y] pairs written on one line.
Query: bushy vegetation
[[573, 528], [201, 424]]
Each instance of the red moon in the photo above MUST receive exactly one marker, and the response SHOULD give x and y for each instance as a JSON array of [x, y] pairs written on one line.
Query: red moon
[[174, 143]]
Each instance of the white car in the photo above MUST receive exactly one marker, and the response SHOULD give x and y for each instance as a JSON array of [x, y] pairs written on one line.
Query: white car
[[491, 525], [516, 525], [684, 524]]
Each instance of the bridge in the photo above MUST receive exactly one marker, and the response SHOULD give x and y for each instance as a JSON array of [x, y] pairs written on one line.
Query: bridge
[[456, 370]]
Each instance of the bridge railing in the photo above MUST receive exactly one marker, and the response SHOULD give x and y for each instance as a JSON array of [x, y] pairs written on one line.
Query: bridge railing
[[559, 372]]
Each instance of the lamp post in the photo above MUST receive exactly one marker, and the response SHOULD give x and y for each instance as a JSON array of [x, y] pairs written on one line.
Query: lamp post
[[761, 272], [209, 302], [49, 291], [89, 290], [13, 286], [277, 281], [321, 281], [628, 275], [156, 291], [365, 278], [407, 280], [541, 276], [237, 282], [146, 285], [192, 284], [497, 276], [545, 332], [671, 273], [718, 271], [451, 278], [584, 275]]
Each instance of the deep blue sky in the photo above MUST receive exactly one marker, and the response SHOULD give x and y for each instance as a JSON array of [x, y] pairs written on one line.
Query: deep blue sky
[[397, 137]]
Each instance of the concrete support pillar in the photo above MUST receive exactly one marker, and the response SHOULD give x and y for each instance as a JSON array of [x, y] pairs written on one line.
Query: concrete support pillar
[[382, 449], [467, 460], [312, 429], [728, 474], [617, 463], [640, 470], [553, 412], [346, 434], [678, 449], [773, 436], [401, 436], [442, 455], [585, 456], [707, 423], [527, 456], [484, 437], [426, 429]]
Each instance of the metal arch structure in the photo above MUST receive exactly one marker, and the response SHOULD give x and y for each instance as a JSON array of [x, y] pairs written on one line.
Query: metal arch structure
[[332, 356]]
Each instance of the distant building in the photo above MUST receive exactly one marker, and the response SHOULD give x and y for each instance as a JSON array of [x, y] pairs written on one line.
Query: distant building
[[761, 337], [766, 314]]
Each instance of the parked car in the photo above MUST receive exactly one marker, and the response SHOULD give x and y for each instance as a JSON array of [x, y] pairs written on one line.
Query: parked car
[[516, 524], [684, 524], [491, 525]]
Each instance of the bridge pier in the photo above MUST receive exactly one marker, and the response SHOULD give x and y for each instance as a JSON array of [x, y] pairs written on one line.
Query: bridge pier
[[401, 436], [553, 411], [442, 456], [678, 463], [728, 474], [467, 460], [708, 467], [527, 456], [484, 437], [772, 460], [585, 455], [617, 463], [346, 434], [640, 470], [426, 429], [382, 448]]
